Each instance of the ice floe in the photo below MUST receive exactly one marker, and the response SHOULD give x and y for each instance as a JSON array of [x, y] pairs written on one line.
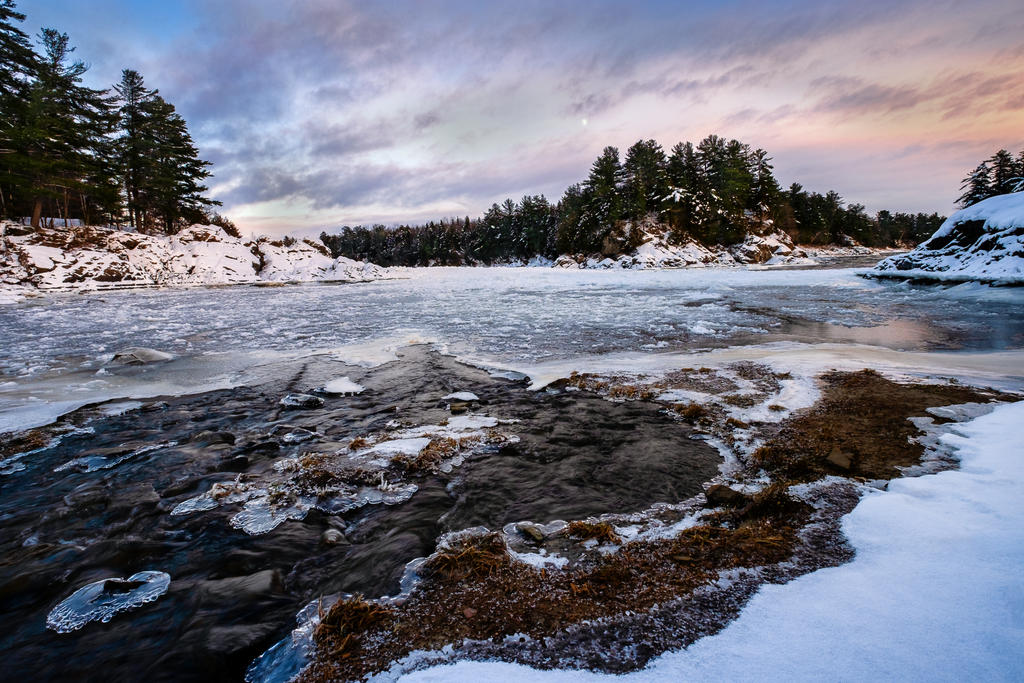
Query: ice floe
[[101, 600], [342, 386]]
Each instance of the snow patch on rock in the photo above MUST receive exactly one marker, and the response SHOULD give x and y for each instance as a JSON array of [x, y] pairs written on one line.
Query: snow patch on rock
[[657, 250], [89, 258], [984, 242]]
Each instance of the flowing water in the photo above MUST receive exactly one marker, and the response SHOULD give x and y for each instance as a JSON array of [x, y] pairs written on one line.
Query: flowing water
[[88, 495]]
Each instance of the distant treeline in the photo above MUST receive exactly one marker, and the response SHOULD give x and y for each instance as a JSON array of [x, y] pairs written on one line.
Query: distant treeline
[[715, 192], [68, 151]]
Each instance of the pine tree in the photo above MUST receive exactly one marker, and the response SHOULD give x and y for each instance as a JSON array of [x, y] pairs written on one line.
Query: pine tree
[[1017, 181], [62, 141], [683, 179], [976, 186], [132, 147], [604, 208], [161, 170], [18, 67], [572, 211], [645, 181], [764, 194], [1004, 170], [174, 189]]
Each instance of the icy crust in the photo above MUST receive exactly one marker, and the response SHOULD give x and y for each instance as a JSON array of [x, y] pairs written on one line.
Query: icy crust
[[289, 656], [13, 463], [101, 600], [103, 258], [984, 242], [92, 463], [375, 469]]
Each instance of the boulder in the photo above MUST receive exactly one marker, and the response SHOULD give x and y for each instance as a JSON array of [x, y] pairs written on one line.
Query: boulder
[[208, 438], [332, 537], [531, 531], [296, 401], [245, 588], [722, 496], [140, 355], [984, 242], [837, 458]]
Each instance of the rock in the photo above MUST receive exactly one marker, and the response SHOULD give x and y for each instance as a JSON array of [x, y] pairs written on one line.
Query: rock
[[983, 242], [332, 537], [237, 463], [458, 407], [121, 585], [722, 496], [291, 434], [839, 459], [87, 495], [295, 401], [244, 588], [140, 356], [531, 531], [469, 612], [227, 641], [207, 438]]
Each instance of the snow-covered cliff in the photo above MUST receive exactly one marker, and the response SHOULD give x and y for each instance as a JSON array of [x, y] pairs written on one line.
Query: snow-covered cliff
[[97, 258], [656, 250], [984, 242]]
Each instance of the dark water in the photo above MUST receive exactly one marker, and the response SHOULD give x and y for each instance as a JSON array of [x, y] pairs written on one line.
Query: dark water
[[233, 595]]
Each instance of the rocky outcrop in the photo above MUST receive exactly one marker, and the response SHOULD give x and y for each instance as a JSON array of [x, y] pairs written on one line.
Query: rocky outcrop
[[102, 258], [657, 250], [984, 242]]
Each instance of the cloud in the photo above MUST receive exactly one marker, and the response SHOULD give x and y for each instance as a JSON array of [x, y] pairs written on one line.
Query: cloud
[[357, 109]]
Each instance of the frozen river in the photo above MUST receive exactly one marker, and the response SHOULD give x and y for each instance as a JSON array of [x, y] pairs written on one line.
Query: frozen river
[[54, 349], [93, 496]]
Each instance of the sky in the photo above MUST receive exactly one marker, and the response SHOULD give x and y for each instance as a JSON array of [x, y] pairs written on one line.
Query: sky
[[322, 113]]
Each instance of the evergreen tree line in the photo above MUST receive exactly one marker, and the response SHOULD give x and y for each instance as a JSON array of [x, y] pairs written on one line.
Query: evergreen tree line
[[715, 192], [116, 156], [1001, 173]]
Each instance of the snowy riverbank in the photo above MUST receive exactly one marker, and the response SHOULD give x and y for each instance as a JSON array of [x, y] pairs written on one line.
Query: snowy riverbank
[[984, 242], [928, 597], [76, 259]]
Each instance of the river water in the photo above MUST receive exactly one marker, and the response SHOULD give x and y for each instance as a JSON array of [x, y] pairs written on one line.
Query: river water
[[117, 448]]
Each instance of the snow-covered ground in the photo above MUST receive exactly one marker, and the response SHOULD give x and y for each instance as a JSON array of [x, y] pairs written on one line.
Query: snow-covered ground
[[983, 242], [56, 259], [932, 595]]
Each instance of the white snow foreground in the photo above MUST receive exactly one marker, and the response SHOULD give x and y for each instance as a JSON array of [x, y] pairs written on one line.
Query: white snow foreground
[[934, 592], [103, 258], [983, 242]]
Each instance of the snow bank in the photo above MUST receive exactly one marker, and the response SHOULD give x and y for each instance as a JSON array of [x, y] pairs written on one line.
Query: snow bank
[[933, 594], [658, 251], [102, 258], [983, 242]]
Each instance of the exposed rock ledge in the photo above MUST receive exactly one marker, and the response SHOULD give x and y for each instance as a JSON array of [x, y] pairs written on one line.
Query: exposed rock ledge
[[984, 243], [102, 258], [771, 249]]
